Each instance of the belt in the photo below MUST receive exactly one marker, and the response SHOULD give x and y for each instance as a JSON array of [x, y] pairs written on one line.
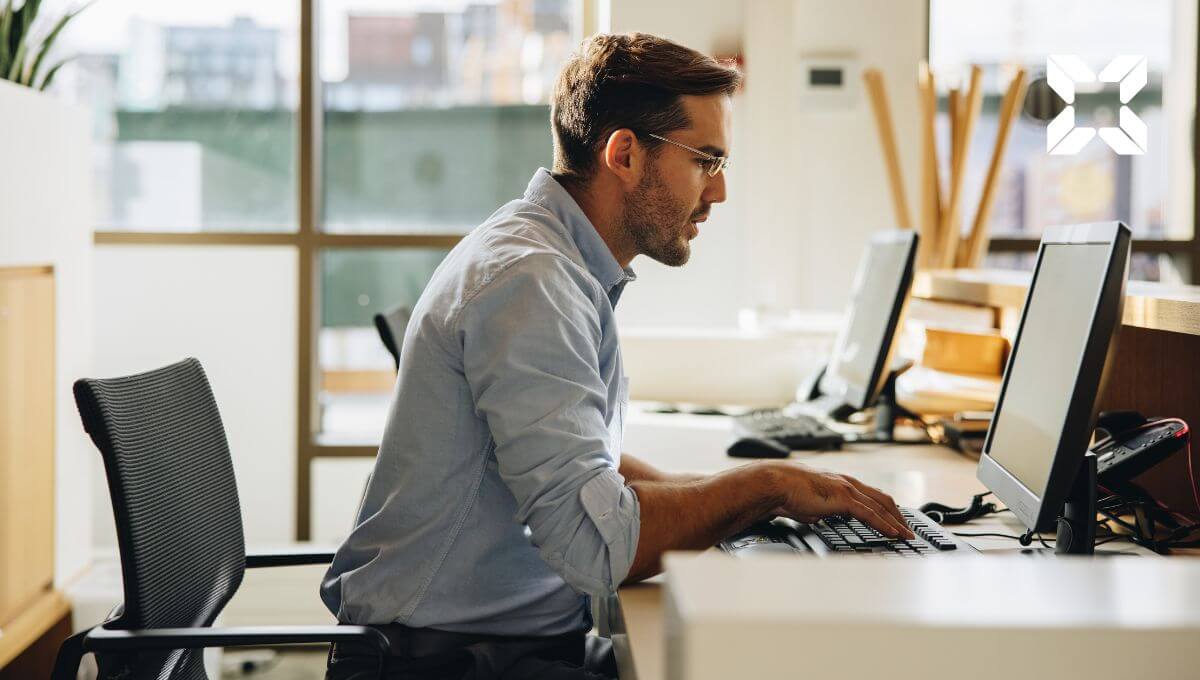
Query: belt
[[421, 642]]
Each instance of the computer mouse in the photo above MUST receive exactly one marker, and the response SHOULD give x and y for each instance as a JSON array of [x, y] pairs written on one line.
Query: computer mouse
[[755, 447]]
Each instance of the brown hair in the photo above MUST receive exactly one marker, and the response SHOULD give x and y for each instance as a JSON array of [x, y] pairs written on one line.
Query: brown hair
[[631, 80]]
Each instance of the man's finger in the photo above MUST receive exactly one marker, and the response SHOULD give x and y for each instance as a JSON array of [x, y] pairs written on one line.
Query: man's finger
[[882, 498], [872, 517], [886, 511]]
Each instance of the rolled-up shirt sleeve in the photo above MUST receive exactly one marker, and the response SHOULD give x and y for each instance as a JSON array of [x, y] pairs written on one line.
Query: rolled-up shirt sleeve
[[531, 338]]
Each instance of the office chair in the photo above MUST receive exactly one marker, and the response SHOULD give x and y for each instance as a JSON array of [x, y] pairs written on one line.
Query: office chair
[[391, 324], [179, 531]]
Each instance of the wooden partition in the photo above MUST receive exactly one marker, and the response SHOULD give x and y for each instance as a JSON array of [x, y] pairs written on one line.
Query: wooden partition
[[26, 443]]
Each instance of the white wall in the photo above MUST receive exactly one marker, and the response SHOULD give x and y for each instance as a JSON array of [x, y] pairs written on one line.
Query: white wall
[[46, 218], [708, 290], [234, 309], [807, 186]]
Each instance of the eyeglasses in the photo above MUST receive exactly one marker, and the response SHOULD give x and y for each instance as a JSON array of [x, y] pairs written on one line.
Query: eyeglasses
[[712, 164]]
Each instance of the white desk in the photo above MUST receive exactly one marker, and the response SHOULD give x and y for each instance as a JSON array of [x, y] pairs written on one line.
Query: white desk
[[912, 474]]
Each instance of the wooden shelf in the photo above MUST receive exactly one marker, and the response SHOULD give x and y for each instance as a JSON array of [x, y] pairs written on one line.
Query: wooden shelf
[[1155, 306], [31, 624]]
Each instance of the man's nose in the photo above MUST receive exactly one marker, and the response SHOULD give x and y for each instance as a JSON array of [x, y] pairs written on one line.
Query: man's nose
[[714, 192]]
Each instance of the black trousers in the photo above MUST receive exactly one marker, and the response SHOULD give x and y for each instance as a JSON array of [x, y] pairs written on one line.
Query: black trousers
[[427, 654]]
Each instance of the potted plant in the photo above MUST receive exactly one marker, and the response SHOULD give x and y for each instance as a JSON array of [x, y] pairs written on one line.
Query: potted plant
[[22, 58]]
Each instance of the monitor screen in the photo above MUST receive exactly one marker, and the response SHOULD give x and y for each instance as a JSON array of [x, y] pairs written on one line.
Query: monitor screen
[[1029, 424], [876, 297]]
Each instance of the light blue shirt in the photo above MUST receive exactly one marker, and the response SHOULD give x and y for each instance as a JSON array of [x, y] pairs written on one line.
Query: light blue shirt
[[495, 505]]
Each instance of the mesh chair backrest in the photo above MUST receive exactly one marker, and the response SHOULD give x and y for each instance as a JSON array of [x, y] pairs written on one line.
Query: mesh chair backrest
[[391, 325], [179, 525]]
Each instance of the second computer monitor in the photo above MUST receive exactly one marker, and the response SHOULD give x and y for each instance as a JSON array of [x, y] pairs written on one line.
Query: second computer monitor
[[1044, 416], [858, 365]]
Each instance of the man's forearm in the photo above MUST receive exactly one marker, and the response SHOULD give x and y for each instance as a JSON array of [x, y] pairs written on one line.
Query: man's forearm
[[635, 469], [695, 515]]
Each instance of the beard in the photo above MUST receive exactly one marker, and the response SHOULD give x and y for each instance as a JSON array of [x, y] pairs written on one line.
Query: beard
[[656, 222]]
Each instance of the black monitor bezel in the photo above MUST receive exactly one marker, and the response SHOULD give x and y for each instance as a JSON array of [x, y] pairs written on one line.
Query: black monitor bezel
[[861, 397], [1041, 512]]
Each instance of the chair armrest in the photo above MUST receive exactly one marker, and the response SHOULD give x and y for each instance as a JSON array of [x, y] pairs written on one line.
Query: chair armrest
[[290, 557], [104, 640]]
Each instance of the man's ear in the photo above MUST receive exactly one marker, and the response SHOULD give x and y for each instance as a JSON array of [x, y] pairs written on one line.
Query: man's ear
[[625, 157]]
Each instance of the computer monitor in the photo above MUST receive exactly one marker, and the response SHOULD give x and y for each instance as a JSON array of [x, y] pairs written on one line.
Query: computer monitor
[[862, 352], [1034, 451]]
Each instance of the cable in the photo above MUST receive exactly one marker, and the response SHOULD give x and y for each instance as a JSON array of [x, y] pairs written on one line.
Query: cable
[[945, 514], [1192, 476], [1145, 536], [969, 534], [1025, 539], [1181, 532], [1118, 520]]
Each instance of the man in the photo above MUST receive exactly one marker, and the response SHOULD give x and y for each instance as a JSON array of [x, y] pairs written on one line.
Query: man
[[500, 500]]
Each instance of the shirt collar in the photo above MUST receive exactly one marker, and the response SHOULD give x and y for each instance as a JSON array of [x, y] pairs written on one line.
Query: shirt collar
[[545, 191]]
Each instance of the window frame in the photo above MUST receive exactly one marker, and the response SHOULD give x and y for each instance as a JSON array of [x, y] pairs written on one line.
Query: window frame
[[309, 242]]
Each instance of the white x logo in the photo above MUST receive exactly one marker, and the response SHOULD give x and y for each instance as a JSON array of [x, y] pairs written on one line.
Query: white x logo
[[1063, 71]]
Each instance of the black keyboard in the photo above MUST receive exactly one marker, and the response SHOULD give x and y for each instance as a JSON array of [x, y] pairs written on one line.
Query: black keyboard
[[798, 432], [845, 536]]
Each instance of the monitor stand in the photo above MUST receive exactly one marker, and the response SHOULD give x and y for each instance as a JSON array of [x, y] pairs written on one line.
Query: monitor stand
[[887, 412], [1077, 525], [829, 406]]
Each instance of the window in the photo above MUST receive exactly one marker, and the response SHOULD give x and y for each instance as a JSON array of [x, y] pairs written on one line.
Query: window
[[213, 130], [432, 119], [178, 147], [357, 373], [435, 117], [1151, 192]]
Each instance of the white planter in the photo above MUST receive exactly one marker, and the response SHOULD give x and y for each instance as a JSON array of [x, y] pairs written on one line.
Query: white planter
[[46, 218]]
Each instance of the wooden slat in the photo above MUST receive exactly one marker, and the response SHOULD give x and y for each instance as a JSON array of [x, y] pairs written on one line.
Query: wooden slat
[[877, 93], [308, 239], [25, 271], [370, 382], [977, 241], [197, 238], [26, 439], [967, 114], [1154, 306], [931, 183]]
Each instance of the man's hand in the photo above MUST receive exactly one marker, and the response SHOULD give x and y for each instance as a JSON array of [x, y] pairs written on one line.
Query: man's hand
[[810, 495], [695, 515]]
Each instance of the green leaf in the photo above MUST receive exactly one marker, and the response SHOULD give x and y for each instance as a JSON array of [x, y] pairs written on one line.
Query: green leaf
[[18, 41], [18, 33], [5, 30], [51, 72], [18, 62], [48, 42], [31, 12]]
